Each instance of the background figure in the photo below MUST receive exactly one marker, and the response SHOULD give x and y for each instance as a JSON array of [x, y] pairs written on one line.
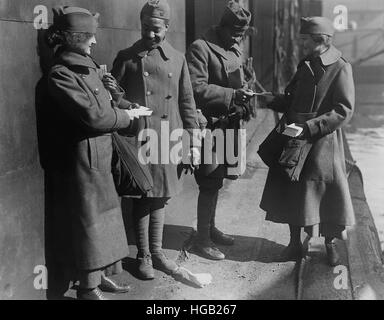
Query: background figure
[[155, 75], [76, 122], [320, 99], [215, 63]]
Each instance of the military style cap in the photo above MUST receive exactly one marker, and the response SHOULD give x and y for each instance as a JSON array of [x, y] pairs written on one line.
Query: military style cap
[[317, 25], [236, 17], [74, 19], [156, 9]]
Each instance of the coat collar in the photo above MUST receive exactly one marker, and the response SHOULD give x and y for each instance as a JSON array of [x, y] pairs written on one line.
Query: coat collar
[[318, 65], [71, 58], [217, 45], [164, 48], [330, 56]]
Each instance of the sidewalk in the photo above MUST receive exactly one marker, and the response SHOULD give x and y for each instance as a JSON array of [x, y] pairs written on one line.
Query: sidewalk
[[250, 270]]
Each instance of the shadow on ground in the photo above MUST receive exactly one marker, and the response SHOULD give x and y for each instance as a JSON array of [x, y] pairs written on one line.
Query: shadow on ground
[[245, 248]]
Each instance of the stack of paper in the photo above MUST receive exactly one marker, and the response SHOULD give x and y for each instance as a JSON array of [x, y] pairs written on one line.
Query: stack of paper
[[293, 131]]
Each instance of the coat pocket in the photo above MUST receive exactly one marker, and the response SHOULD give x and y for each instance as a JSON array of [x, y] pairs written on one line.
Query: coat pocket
[[92, 153], [100, 153], [320, 164], [293, 158], [291, 153]]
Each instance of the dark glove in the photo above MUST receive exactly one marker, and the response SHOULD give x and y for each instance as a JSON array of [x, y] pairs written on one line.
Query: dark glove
[[188, 168], [110, 83], [129, 105], [242, 112], [242, 96], [194, 161], [237, 111], [305, 134]]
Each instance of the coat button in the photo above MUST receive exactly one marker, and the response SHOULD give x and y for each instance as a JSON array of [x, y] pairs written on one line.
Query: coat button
[[170, 75], [146, 74], [83, 76], [96, 91], [149, 93]]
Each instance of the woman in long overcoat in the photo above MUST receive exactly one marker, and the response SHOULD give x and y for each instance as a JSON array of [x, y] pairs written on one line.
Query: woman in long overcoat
[[320, 99], [88, 228]]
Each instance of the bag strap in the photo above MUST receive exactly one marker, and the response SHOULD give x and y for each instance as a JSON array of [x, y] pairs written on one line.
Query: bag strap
[[323, 85]]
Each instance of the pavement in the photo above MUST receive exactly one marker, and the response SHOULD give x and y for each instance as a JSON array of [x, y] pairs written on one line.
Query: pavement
[[251, 270]]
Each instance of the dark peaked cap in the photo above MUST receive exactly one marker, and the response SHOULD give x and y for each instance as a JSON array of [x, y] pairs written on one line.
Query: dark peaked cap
[[235, 16], [317, 25], [74, 19], [156, 9]]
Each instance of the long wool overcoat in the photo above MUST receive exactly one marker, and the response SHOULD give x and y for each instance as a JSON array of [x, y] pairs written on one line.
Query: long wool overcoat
[[325, 87], [159, 79], [216, 71], [76, 154]]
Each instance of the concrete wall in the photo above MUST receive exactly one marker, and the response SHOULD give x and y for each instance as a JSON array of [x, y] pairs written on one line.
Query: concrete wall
[[21, 178]]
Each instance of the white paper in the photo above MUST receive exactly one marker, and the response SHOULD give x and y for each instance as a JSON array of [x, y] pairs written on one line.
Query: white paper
[[103, 69], [200, 279], [263, 93], [293, 131], [139, 112]]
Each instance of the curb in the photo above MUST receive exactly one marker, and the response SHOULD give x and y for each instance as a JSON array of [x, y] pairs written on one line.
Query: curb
[[363, 246]]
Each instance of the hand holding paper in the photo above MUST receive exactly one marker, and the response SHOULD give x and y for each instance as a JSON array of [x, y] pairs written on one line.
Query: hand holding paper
[[138, 112]]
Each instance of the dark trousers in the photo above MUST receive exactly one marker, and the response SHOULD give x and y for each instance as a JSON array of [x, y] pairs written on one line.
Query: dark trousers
[[149, 216], [206, 205]]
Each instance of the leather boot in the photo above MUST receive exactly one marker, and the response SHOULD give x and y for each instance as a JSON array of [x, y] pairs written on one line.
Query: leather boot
[[95, 294], [219, 237], [208, 250], [162, 263], [293, 252], [145, 267], [332, 254], [109, 285]]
